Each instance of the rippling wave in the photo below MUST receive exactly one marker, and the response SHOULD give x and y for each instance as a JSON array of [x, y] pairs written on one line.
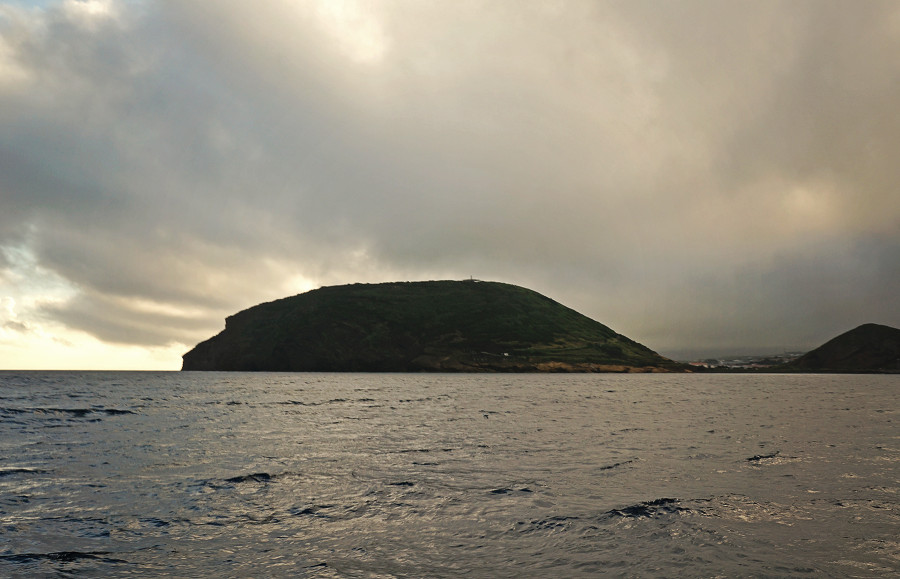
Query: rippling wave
[[330, 475]]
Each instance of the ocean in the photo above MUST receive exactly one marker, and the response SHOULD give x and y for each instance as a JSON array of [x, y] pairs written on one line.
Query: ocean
[[182, 474]]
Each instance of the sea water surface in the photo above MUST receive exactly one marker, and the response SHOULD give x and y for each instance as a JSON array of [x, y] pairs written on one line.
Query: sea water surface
[[120, 474]]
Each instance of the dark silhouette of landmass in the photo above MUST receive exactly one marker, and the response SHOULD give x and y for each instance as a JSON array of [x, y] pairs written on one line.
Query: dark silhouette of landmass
[[868, 348], [440, 326]]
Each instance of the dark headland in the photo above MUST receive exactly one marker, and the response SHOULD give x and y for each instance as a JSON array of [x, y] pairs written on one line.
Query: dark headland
[[868, 348], [437, 326]]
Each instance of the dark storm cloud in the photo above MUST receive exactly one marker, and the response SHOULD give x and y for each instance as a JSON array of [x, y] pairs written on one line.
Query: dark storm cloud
[[690, 173], [122, 321]]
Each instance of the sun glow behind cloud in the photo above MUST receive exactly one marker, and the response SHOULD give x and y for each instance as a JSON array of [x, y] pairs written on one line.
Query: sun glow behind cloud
[[355, 28], [89, 11]]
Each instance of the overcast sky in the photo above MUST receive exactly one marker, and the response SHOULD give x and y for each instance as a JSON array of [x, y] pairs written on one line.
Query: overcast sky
[[700, 176]]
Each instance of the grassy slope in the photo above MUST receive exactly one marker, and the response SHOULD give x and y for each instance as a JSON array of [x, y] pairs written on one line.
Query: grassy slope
[[415, 326]]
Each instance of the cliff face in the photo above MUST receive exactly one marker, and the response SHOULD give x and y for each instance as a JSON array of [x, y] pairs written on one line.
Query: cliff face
[[868, 348], [445, 326]]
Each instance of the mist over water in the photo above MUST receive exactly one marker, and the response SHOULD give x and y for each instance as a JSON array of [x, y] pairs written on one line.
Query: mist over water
[[417, 475]]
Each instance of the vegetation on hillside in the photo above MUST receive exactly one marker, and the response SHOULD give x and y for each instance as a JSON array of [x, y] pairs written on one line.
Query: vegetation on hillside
[[867, 348], [419, 326]]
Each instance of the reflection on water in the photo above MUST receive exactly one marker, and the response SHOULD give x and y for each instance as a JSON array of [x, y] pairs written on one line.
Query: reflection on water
[[380, 475]]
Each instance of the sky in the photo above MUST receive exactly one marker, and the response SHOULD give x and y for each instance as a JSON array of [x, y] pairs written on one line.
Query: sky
[[701, 176]]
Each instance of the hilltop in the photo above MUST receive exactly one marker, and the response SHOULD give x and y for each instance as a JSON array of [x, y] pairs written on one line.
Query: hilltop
[[868, 348], [441, 326]]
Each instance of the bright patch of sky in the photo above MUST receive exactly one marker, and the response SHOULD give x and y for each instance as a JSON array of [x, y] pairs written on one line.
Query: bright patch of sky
[[29, 339], [356, 29], [31, 3], [93, 5]]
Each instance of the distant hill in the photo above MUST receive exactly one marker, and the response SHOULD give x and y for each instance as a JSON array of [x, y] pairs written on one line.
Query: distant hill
[[868, 348], [442, 326]]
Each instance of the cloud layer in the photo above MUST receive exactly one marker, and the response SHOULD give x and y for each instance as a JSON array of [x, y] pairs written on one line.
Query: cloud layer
[[696, 175]]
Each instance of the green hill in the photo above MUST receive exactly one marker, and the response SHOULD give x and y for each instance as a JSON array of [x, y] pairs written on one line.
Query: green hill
[[443, 326], [868, 348]]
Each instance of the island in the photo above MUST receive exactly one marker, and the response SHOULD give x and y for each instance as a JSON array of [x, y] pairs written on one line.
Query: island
[[869, 348], [434, 326]]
